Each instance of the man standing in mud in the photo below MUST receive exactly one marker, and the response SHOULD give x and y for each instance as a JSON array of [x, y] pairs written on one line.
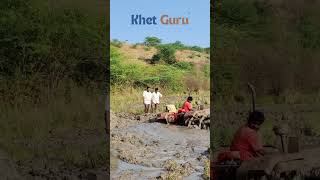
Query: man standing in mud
[[156, 99], [147, 96]]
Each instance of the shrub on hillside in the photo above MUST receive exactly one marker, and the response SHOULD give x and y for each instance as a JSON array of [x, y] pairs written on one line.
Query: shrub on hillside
[[123, 73], [206, 70], [156, 58], [135, 45], [40, 49], [178, 45], [184, 65], [193, 83], [166, 53], [152, 41], [207, 50], [196, 48], [116, 43]]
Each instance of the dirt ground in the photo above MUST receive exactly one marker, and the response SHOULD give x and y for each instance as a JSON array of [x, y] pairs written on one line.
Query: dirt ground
[[151, 150], [70, 164]]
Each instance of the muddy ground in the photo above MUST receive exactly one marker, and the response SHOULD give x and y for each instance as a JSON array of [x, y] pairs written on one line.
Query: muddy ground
[[152, 150], [69, 164]]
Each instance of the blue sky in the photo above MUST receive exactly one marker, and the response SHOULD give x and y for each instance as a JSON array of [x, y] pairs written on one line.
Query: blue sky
[[196, 33]]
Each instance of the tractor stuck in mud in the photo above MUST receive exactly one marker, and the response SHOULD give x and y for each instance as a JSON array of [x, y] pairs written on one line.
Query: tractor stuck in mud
[[290, 162], [198, 119], [288, 159]]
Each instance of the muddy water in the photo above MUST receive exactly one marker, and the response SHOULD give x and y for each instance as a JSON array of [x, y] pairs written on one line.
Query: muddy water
[[144, 149]]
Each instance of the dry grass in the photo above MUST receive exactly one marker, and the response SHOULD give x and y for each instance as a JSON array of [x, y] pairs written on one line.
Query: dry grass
[[206, 175], [192, 56], [175, 170], [56, 131], [125, 98], [140, 52], [129, 99]]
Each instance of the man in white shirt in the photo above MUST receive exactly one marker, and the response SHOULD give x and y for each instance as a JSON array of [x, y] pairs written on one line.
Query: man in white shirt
[[147, 96], [156, 98]]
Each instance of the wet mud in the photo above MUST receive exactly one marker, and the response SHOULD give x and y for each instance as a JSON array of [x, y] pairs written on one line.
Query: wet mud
[[152, 150]]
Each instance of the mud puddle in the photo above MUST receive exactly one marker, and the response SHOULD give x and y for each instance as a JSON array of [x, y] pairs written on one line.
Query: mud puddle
[[159, 151]]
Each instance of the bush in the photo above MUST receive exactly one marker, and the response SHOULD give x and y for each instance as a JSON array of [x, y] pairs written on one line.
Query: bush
[[155, 58], [47, 61], [146, 48], [254, 43], [178, 45], [196, 48], [152, 41], [167, 54], [47, 47], [122, 73], [135, 46], [206, 70], [184, 65], [116, 43]]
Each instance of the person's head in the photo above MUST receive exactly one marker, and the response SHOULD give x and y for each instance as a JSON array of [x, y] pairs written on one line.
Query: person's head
[[148, 88], [255, 119], [156, 89], [189, 99]]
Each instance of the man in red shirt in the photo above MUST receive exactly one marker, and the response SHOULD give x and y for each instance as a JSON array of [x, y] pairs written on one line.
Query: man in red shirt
[[247, 140], [187, 106], [246, 144]]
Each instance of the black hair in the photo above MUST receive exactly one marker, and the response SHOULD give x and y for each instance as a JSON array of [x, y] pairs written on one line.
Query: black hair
[[256, 116], [148, 87], [156, 89], [189, 98]]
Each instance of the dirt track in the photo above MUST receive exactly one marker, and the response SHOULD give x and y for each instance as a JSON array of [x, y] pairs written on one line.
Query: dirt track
[[143, 150], [54, 167]]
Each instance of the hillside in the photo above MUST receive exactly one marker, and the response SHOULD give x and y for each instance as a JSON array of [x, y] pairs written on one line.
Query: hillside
[[272, 44], [52, 81], [132, 69], [194, 63], [176, 68], [142, 52]]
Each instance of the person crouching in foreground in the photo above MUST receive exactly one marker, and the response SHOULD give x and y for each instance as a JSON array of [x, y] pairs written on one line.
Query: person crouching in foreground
[[247, 140], [186, 107], [246, 145]]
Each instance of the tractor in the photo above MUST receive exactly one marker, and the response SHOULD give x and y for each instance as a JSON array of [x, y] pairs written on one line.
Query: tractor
[[288, 161]]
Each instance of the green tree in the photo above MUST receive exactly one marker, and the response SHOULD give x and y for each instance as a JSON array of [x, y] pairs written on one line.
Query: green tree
[[152, 41], [165, 53], [155, 58]]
